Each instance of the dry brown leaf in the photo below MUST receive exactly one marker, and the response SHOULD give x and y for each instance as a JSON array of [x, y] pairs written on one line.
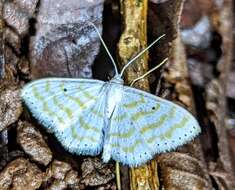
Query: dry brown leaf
[[32, 142], [177, 179], [65, 44], [2, 27], [60, 175], [10, 106], [13, 39], [28, 6], [95, 173], [182, 161], [16, 18], [20, 174], [109, 186]]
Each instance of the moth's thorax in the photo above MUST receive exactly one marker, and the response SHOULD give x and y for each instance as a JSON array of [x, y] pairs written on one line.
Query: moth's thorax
[[114, 96]]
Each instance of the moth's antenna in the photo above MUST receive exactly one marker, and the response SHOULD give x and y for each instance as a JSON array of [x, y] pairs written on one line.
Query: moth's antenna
[[105, 47], [143, 51], [144, 75]]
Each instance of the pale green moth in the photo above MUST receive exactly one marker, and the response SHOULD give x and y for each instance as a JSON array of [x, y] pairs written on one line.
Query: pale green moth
[[91, 116]]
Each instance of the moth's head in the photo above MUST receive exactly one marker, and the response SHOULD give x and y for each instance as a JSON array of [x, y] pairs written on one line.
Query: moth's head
[[117, 79]]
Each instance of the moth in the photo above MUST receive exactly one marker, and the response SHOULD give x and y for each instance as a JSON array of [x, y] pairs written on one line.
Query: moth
[[91, 116]]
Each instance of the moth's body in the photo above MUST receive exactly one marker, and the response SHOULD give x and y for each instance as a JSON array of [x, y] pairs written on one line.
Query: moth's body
[[114, 94]]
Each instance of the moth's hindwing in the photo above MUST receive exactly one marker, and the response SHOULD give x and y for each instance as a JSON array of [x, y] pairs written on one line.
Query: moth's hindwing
[[143, 125]]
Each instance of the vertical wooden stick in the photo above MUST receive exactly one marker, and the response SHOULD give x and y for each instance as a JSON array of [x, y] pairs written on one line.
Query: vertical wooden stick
[[118, 177], [133, 39]]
